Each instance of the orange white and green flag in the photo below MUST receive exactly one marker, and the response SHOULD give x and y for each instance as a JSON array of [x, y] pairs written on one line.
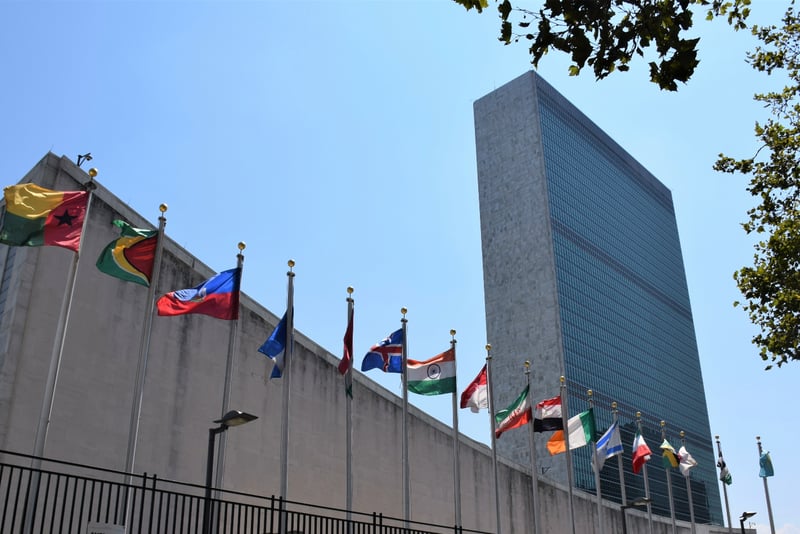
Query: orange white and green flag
[[131, 256], [36, 217], [435, 376]]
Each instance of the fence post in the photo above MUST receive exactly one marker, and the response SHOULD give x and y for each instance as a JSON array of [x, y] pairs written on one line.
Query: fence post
[[152, 502], [141, 501]]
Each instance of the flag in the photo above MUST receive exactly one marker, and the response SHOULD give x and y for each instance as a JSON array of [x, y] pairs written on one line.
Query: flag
[[724, 472], [765, 462], [548, 415], [275, 347], [131, 256], [516, 415], [669, 456], [435, 376], [347, 355], [476, 396], [687, 462], [609, 445], [641, 452], [36, 217], [218, 297], [581, 430], [386, 355]]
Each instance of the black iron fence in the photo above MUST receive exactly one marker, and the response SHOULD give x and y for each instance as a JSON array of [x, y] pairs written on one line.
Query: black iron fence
[[40, 496]]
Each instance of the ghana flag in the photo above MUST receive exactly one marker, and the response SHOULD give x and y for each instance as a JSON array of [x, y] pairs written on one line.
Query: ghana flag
[[131, 256], [36, 216]]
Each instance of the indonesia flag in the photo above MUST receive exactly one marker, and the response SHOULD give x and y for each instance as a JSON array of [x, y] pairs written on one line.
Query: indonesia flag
[[641, 452], [476, 396]]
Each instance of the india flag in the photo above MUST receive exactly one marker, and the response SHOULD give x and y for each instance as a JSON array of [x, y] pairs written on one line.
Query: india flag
[[433, 377]]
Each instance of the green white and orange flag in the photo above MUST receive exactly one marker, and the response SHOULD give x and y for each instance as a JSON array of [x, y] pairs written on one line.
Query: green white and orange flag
[[36, 217], [581, 430], [131, 256], [436, 376]]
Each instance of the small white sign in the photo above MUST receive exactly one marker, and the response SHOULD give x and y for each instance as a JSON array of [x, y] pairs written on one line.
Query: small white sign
[[104, 528]]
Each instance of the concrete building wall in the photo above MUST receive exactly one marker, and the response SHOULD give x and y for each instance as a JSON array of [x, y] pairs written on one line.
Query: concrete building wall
[[184, 387], [518, 258]]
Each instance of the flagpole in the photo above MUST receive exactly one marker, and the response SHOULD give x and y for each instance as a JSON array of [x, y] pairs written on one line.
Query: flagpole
[[766, 489], [287, 378], [46, 411], [233, 334], [619, 462], [456, 462], [490, 395], [568, 456], [598, 490], [688, 485], [144, 351], [348, 380], [724, 489], [646, 479], [406, 472], [61, 334], [669, 480], [534, 468]]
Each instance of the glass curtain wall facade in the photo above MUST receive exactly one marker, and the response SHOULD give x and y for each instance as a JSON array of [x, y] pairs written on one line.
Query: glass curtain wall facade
[[625, 321]]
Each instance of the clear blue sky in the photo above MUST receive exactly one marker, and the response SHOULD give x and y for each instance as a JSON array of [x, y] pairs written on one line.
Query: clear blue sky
[[340, 134]]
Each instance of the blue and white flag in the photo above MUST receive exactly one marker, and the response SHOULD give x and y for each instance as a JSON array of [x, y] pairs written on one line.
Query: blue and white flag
[[275, 348], [609, 444], [386, 355]]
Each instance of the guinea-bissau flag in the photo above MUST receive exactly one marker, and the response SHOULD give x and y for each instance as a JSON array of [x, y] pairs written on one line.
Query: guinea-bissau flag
[[36, 217], [131, 256]]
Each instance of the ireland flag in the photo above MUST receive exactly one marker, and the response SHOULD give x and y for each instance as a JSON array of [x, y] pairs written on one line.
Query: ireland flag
[[433, 377]]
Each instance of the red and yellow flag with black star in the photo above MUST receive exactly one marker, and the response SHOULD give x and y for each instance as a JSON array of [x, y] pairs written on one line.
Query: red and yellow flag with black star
[[36, 216]]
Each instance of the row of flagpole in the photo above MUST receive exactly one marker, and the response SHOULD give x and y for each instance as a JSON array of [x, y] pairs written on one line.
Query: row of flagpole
[[282, 354]]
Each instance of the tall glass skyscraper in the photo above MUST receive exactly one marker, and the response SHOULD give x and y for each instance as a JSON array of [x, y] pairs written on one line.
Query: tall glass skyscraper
[[584, 277]]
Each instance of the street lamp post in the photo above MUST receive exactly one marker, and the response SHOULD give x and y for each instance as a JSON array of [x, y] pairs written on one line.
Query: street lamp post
[[639, 501], [745, 516], [232, 418]]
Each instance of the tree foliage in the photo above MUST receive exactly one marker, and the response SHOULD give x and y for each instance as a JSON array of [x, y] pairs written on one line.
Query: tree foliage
[[606, 35], [771, 286]]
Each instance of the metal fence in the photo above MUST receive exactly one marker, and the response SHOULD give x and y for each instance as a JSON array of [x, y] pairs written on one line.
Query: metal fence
[[40, 496]]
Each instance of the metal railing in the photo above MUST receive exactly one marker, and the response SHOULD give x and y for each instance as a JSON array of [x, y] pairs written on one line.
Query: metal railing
[[71, 498]]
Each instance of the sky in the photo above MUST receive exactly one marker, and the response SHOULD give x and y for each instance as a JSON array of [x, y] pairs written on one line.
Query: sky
[[340, 135]]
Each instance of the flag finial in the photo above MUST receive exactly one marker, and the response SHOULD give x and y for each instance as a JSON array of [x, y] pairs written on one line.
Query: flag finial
[[163, 208], [562, 380], [638, 415], [716, 437], [92, 172], [614, 406], [663, 423], [241, 246], [350, 290], [589, 393], [290, 263], [683, 434], [404, 311], [453, 332]]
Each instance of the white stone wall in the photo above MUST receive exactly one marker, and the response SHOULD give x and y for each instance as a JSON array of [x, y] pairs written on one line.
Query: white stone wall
[[184, 385]]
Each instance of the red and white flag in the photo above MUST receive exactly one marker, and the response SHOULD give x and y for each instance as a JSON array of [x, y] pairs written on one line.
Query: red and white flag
[[641, 453], [476, 396]]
